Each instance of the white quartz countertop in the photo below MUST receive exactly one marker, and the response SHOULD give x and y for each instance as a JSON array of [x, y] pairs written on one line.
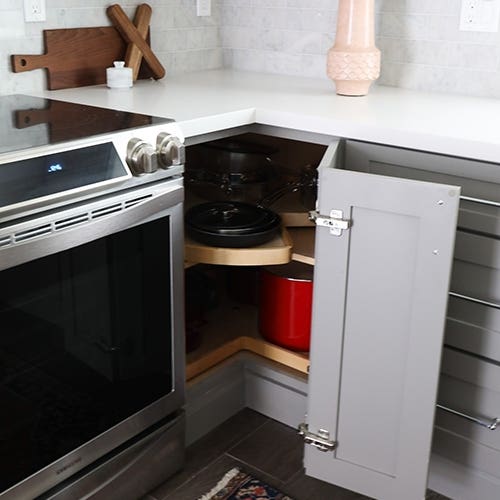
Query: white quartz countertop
[[208, 101]]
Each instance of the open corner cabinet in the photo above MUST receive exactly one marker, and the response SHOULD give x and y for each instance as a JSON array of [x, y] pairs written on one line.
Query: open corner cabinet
[[402, 374]]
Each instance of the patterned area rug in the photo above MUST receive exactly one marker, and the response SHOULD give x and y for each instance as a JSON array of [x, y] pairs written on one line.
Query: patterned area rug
[[238, 485]]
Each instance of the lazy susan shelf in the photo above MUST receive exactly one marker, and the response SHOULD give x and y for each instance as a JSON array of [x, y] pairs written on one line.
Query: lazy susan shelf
[[276, 251], [220, 342]]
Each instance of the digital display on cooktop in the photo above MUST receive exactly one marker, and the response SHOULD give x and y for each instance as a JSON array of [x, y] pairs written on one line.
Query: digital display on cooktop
[[58, 172], [27, 121]]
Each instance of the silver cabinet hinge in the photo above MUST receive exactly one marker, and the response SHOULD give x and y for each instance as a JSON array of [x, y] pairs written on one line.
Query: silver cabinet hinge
[[334, 221], [321, 440]]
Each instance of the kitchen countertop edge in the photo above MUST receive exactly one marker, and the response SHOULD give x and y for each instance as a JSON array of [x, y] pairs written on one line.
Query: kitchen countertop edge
[[210, 101]]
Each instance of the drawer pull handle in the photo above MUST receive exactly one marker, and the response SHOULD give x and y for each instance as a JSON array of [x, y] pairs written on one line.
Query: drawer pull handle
[[489, 423], [476, 301], [480, 201]]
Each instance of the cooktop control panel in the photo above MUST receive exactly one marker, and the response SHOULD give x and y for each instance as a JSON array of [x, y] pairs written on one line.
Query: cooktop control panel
[[53, 151]]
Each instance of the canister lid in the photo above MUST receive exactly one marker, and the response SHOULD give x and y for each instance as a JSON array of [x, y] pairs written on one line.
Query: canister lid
[[297, 271]]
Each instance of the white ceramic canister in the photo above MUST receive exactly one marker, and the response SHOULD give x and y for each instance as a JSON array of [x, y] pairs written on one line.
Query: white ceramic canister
[[119, 77]]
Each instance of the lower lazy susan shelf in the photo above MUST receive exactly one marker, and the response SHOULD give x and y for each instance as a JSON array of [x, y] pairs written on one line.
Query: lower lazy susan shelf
[[232, 328]]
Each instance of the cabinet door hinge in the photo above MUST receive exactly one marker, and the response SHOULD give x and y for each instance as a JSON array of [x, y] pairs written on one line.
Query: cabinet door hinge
[[321, 440], [334, 221]]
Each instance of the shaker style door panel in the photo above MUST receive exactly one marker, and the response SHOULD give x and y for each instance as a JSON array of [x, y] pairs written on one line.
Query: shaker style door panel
[[380, 294]]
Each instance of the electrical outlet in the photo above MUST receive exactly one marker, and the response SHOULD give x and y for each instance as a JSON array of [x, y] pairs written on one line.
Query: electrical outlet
[[203, 7], [480, 15], [34, 11]]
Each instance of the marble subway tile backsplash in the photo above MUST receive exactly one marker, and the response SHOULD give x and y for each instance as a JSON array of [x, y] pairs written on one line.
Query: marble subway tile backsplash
[[422, 47]]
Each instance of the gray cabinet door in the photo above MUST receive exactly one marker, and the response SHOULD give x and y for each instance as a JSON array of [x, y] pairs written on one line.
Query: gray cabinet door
[[380, 295]]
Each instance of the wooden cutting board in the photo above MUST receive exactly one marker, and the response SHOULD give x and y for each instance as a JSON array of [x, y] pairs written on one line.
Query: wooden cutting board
[[77, 56]]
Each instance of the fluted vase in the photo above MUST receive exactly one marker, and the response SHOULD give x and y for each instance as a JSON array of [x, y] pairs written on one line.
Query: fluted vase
[[353, 62]]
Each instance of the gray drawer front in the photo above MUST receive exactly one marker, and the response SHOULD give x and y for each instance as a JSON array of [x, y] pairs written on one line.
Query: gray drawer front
[[478, 180], [474, 314], [464, 451], [474, 328], [476, 267], [480, 218], [469, 384]]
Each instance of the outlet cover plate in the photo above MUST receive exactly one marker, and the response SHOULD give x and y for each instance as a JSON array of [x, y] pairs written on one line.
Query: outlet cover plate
[[203, 7], [480, 15], [35, 11]]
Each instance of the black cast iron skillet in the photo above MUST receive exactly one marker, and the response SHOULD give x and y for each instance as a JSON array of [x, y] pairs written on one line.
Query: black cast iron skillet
[[231, 224]]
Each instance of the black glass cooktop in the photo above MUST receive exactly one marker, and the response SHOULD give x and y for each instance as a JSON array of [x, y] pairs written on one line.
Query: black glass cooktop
[[27, 122]]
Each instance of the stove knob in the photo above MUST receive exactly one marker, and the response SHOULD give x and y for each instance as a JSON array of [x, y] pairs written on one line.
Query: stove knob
[[141, 157], [170, 150]]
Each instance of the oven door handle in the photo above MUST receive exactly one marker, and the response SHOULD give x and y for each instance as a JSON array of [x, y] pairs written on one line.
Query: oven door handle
[[58, 240]]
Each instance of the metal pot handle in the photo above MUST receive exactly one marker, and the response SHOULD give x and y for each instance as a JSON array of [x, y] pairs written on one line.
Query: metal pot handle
[[308, 179]]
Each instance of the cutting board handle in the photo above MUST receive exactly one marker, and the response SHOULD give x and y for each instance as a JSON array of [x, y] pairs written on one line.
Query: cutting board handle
[[29, 117], [22, 63]]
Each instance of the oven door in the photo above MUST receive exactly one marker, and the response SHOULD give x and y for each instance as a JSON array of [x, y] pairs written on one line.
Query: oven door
[[91, 332]]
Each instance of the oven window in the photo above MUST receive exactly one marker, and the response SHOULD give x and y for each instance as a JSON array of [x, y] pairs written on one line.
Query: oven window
[[85, 342]]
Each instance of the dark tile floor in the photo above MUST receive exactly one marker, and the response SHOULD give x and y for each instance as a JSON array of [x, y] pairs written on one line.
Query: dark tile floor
[[261, 446]]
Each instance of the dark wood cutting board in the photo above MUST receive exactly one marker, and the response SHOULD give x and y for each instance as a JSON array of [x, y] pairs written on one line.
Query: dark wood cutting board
[[76, 57]]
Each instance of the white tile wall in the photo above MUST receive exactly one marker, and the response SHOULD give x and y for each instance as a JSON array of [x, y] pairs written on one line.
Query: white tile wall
[[422, 47]]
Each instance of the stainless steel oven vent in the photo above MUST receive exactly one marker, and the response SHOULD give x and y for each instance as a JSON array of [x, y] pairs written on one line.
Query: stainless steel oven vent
[[5, 240], [135, 201], [40, 229], [33, 232], [71, 221], [111, 209]]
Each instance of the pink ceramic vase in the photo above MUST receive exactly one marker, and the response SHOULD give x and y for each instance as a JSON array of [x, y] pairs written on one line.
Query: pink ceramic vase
[[354, 62]]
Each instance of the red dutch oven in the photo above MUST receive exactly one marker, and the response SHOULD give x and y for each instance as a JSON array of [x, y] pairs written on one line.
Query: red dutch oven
[[285, 303]]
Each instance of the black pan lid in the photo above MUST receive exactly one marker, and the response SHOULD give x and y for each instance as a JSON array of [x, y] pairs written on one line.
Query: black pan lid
[[231, 218]]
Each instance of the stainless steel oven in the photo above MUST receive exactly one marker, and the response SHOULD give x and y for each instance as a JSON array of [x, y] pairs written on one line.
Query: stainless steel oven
[[91, 301]]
